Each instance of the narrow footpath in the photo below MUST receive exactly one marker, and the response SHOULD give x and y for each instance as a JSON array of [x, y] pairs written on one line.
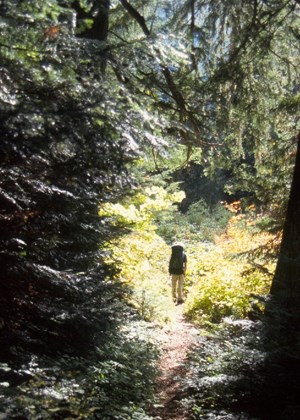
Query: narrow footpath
[[178, 338]]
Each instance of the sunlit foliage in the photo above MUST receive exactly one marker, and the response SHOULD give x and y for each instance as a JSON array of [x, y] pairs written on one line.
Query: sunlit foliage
[[228, 270], [142, 256], [223, 280]]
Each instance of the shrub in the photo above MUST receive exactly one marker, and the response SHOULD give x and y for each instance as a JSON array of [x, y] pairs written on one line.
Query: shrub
[[116, 383], [226, 377], [222, 280]]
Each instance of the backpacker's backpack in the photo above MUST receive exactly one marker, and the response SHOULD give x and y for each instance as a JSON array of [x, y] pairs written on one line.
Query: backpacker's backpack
[[176, 260]]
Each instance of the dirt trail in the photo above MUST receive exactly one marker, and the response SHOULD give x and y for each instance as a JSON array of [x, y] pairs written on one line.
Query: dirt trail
[[177, 338]]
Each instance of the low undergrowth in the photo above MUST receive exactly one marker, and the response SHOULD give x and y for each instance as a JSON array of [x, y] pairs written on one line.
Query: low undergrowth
[[227, 372], [116, 383], [229, 277], [238, 372]]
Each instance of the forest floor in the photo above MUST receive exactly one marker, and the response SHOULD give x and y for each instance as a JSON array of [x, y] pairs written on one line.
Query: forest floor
[[178, 338]]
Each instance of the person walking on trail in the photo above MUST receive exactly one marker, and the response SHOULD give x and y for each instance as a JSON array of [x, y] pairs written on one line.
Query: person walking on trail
[[177, 269]]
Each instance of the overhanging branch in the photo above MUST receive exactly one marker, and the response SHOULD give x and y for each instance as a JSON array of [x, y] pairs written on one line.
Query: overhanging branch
[[137, 16]]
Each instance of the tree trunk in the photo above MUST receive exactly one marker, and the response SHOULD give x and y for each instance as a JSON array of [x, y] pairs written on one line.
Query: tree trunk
[[99, 13], [285, 288], [99, 29], [282, 335]]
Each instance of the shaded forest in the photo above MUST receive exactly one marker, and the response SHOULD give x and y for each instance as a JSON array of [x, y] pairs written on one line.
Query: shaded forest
[[126, 126]]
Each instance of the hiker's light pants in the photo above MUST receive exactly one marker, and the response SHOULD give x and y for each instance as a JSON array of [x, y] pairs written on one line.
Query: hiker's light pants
[[177, 283]]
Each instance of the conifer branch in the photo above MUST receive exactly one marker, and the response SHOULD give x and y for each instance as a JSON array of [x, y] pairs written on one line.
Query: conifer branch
[[137, 16]]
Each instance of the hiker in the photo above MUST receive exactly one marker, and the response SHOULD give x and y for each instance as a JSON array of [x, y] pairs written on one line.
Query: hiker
[[177, 269]]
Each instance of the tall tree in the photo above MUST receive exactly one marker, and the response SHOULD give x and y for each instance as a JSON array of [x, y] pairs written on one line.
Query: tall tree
[[60, 156], [286, 284]]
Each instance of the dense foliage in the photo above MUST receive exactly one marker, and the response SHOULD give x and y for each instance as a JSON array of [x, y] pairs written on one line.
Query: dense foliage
[[57, 162]]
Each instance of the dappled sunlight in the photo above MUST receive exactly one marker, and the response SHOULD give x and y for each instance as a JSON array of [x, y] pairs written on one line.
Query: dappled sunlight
[[143, 261]]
